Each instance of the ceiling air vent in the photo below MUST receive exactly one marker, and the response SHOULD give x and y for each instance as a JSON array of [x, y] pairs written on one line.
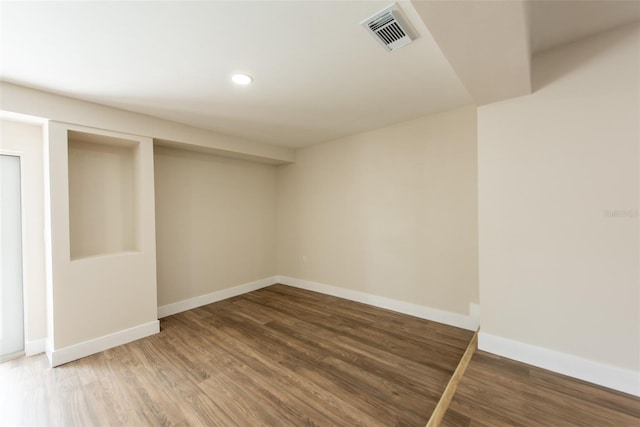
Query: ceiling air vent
[[390, 28]]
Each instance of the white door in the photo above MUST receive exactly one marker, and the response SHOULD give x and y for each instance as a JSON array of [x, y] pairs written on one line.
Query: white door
[[11, 304]]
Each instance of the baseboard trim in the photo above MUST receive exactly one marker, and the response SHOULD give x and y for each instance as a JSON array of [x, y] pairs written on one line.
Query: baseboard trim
[[87, 348], [191, 303], [423, 312], [470, 323], [48, 350], [626, 381], [33, 347]]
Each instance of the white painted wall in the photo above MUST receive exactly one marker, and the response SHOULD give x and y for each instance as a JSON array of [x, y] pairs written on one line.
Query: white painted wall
[[215, 223], [558, 210], [391, 212], [27, 141]]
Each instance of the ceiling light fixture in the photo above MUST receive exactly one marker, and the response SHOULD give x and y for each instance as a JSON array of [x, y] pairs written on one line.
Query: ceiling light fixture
[[241, 79]]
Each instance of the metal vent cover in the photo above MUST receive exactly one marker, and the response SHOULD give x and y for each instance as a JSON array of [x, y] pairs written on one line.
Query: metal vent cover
[[390, 28]]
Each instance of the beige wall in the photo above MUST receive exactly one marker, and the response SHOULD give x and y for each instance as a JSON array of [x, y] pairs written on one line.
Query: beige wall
[[558, 204], [101, 198], [32, 102], [27, 141], [215, 223], [390, 212], [394, 212], [97, 296]]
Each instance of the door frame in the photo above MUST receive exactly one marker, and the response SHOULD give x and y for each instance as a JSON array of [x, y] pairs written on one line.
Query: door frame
[[23, 234]]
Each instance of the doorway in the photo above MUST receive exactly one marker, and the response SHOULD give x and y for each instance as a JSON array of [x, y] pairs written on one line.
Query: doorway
[[11, 292]]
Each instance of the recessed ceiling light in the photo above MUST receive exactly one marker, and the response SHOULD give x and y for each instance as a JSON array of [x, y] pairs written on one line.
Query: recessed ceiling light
[[241, 79]]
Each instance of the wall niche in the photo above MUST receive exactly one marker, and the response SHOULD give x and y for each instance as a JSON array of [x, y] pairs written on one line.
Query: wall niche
[[102, 195]]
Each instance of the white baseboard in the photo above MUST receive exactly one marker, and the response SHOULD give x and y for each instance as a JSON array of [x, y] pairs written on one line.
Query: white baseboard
[[33, 347], [454, 319], [623, 380], [188, 304], [87, 348], [48, 350], [423, 312]]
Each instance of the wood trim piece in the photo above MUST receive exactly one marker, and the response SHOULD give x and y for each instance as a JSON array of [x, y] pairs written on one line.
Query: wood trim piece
[[450, 390]]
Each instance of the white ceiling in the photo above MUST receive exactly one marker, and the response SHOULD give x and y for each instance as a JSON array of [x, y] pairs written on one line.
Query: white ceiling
[[318, 74], [556, 22]]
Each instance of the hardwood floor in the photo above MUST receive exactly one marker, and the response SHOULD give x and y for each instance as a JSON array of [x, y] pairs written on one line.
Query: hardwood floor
[[500, 392], [278, 356]]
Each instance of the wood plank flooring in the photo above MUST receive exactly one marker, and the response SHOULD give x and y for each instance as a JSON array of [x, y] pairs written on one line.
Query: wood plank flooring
[[278, 356], [500, 392]]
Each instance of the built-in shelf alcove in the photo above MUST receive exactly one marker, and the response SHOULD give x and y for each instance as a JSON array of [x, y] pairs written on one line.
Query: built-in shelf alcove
[[102, 195]]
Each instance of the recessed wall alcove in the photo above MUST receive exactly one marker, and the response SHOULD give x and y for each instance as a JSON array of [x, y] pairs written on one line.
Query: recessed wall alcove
[[102, 195]]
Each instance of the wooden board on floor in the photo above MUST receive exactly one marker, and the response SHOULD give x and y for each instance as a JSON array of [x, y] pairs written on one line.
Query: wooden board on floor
[[496, 391]]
